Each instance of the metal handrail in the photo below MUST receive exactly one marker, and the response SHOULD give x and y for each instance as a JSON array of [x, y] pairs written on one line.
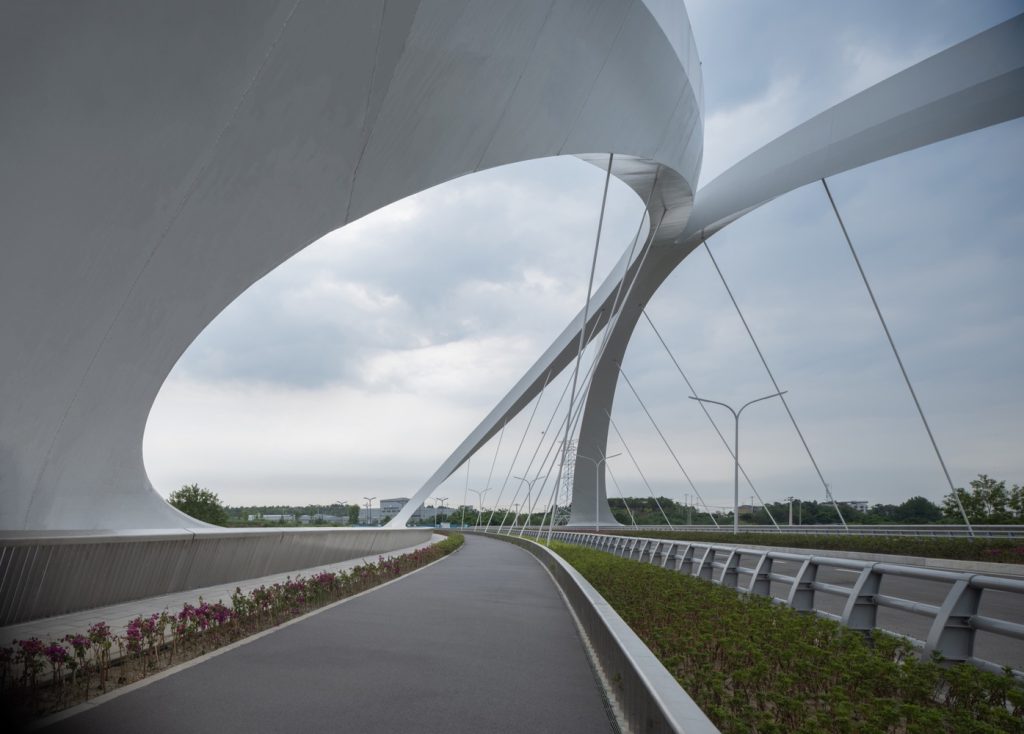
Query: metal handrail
[[954, 622], [923, 531]]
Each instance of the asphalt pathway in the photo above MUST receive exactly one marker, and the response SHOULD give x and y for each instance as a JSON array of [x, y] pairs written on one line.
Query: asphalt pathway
[[480, 642]]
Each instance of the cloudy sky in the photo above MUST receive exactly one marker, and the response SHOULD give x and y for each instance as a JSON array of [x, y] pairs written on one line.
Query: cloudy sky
[[357, 367]]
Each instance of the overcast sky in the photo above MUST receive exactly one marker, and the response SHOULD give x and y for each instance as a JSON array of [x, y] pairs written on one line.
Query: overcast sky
[[355, 368]]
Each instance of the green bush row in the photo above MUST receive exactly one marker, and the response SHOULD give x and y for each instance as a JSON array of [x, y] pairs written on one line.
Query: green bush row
[[756, 667], [964, 549]]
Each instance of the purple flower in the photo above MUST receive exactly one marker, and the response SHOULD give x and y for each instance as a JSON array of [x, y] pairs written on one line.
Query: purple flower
[[57, 654]]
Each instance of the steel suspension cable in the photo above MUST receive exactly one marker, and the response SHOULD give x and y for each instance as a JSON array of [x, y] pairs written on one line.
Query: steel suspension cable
[[573, 416], [515, 457], [638, 469], [618, 489], [785, 403], [540, 443], [707, 413], [613, 321], [586, 315], [465, 495], [490, 474], [662, 435], [899, 361]]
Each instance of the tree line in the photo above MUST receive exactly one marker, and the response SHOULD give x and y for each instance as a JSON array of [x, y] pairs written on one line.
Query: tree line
[[986, 501]]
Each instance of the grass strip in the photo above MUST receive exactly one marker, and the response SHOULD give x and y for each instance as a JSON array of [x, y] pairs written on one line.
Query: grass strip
[[753, 666], [38, 677], [962, 549]]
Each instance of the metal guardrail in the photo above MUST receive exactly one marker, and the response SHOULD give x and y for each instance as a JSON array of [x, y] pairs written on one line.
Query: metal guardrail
[[955, 621], [921, 531]]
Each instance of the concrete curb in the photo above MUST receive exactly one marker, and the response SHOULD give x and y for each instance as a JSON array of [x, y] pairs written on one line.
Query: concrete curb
[[645, 693]]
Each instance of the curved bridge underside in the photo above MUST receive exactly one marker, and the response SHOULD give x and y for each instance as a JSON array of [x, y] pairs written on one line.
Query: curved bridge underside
[[159, 158], [977, 83]]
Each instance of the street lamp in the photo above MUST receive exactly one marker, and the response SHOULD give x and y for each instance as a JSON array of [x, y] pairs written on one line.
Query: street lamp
[[480, 494], [597, 503], [529, 491], [736, 451], [515, 514], [368, 501], [437, 522], [800, 508]]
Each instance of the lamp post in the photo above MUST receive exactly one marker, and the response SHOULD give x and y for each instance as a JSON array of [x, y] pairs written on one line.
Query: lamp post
[[597, 502], [368, 501], [736, 451], [480, 493], [529, 492], [437, 522], [515, 514], [800, 507]]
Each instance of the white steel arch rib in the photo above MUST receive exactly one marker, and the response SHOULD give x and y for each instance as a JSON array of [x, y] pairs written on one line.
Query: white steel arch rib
[[161, 157], [972, 85]]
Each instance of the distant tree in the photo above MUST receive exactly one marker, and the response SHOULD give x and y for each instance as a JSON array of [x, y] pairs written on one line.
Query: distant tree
[[200, 503], [988, 501], [353, 514], [918, 511]]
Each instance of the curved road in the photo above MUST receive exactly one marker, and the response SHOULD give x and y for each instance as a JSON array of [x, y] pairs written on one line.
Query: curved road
[[480, 642]]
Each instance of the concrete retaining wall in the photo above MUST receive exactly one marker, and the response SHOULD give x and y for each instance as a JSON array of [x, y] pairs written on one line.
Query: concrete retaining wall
[[55, 573]]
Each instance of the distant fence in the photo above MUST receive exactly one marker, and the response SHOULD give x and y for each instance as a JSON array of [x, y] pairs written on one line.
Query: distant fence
[[954, 623], [925, 531]]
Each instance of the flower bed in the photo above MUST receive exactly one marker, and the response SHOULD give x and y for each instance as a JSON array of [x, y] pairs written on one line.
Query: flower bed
[[38, 678], [756, 667], [962, 549]]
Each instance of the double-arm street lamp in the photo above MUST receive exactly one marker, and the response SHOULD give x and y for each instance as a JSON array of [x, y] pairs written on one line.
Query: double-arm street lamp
[[736, 452], [529, 491], [480, 494], [597, 495], [442, 500], [368, 501]]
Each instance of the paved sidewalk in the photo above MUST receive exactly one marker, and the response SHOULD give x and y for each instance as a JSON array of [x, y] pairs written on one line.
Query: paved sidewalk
[[480, 642], [119, 615]]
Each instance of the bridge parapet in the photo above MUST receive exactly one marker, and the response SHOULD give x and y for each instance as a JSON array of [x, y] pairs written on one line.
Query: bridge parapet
[[47, 573]]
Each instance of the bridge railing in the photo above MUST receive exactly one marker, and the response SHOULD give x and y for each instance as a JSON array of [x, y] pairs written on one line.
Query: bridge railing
[[924, 531], [954, 625]]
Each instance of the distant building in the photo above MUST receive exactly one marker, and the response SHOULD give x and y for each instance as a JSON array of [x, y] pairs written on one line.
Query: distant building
[[391, 507], [369, 517], [858, 505], [321, 517], [273, 518]]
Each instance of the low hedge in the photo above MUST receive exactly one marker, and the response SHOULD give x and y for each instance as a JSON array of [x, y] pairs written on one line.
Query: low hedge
[[753, 666], [962, 549]]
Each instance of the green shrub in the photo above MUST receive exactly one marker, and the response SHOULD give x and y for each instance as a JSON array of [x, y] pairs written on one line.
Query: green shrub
[[753, 666]]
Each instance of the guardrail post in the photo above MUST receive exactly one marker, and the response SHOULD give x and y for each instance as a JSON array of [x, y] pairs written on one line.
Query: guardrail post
[[801, 593], [861, 610], [684, 560], [671, 555], [951, 634], [644, 545], [730, 575], [703, 566], [760, 580]]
